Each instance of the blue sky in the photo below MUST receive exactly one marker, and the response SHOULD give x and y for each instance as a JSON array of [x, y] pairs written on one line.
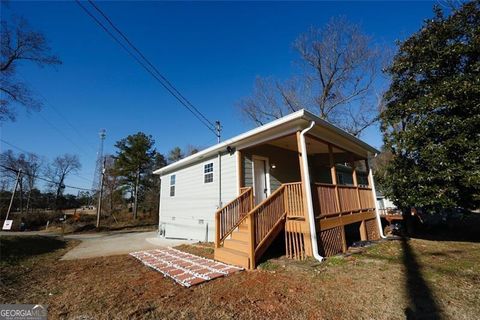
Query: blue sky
[[212, 52]]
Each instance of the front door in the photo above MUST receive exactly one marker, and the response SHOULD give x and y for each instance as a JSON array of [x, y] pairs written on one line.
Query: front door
[[260, 179]]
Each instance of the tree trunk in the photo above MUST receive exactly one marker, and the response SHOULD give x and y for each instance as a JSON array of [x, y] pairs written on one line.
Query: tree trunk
[[408, 221], [20, 184], [135, 203], [28, 200], [111, 200], [59, 191]]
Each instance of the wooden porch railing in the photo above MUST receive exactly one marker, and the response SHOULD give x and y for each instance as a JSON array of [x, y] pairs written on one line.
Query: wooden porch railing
[[350, 199], [267, 217], [228, 218], [263, 221], [294, 199], [366, 199]]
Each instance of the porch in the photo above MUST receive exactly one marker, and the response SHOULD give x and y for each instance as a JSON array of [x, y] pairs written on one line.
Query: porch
[[273, 199]]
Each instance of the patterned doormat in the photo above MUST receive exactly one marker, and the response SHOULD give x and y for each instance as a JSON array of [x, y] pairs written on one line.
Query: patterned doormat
[[185, 268]]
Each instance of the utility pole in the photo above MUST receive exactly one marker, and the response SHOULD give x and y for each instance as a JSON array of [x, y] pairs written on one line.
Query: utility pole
[[218, 130], [100, 195], [13, 193]]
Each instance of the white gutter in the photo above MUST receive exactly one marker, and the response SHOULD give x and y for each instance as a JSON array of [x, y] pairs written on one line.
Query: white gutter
[[374, 192], [308, 193]]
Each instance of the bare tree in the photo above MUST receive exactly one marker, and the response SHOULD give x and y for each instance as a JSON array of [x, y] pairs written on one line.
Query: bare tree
[[59, 169], [14, 163], [338, 69], [192, 149], [19, 43], [32, 166]]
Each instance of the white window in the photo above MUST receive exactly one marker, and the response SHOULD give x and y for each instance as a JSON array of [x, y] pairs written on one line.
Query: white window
[[172, 185], [208, 173]]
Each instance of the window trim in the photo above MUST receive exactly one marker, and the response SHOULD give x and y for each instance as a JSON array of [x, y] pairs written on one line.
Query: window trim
[[208, 173]]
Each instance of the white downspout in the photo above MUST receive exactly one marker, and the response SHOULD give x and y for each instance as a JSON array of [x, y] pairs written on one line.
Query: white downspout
[[377, 212], [308, 194]]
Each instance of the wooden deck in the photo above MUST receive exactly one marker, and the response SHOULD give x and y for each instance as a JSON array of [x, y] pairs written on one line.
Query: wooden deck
[[245, 232]]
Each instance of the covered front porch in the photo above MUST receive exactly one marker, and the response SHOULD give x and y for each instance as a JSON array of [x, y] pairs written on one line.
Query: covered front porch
[[272, 180]]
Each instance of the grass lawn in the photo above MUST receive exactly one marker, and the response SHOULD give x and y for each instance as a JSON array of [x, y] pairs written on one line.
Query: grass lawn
[[390, 280]]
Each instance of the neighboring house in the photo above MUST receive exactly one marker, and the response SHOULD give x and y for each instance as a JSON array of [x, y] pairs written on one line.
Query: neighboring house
[[384, 204], [298, 174]]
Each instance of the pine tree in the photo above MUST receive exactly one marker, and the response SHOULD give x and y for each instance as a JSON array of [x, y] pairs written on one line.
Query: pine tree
[[132, 161]]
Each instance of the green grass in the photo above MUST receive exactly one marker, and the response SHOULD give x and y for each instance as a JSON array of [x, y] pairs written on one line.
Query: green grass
[[268, 266], [335, 261]]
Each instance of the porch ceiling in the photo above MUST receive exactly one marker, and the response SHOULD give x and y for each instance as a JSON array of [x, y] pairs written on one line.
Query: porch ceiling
[[313, 146]]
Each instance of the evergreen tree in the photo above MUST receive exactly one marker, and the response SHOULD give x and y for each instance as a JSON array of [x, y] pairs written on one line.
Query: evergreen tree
[[175, 155], [132, 162], [431, 123]]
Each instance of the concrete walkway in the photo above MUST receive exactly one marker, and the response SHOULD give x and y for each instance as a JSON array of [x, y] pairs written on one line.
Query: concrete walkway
[[114, 243]]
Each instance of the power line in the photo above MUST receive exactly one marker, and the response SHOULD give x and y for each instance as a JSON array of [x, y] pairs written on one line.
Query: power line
[[148, 61], [45, 179], [14, 146], [62, 134], [160, 78], [29, 152], [48, 104]]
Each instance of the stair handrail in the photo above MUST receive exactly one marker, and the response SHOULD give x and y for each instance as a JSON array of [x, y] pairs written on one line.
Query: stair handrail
[[247, 192], [257, 243]]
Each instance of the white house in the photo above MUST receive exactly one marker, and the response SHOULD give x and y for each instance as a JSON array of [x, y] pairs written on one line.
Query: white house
[[262, 176]]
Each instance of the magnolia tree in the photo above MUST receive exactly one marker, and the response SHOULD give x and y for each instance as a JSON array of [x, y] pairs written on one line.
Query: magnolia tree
[[432, 117]]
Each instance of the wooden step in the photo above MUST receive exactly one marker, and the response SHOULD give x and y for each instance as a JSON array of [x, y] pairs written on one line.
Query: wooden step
[[232, 256], [236, 245], [241, 235], [243, 226]]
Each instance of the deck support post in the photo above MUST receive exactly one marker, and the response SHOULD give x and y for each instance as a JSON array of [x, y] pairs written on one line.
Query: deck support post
[[355, 180], [363, 231], [333, 172], [363, 227]]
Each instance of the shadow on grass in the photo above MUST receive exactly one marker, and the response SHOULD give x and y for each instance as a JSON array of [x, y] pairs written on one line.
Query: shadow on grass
[[422, 304], [16, 248], [464, 229]]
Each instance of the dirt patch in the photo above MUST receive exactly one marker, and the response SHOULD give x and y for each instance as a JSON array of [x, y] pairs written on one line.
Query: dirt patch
[[202, 249], [370, 285]]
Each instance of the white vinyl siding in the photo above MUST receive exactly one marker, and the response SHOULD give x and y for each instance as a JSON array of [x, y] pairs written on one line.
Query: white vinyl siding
[[192, 210]]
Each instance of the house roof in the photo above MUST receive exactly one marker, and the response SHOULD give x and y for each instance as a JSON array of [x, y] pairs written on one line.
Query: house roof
[[299, 119]]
